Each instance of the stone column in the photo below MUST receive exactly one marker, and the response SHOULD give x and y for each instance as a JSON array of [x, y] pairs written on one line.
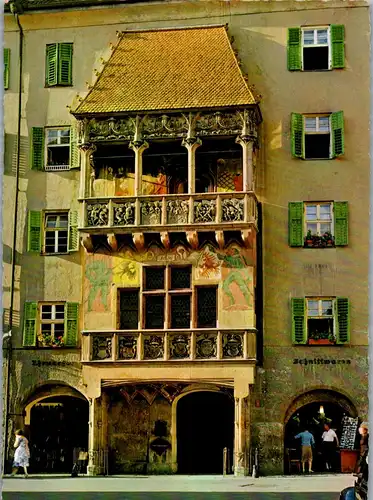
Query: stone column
[[93, 436], [138, 147], [247, 144], [241, 436], [86, 152], [191, 143]]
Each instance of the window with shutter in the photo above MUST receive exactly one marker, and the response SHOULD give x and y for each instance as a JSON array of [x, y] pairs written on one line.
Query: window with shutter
[[71, 323], [59, 64], [74, 149], [58, 148], [29, 324], [343, 320], [337, 125], [341, 223], [34, 231], [6, 68], [337, 34], [294, 49], [298, 321], [73, 231], [37, 148], [297, 135], [295, 224], [56, 232]]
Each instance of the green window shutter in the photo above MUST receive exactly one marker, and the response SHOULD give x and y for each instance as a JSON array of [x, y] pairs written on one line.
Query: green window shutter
[[298, 325], [342, 318], [341, 223], [73, 231], [29, 324], [6, 68], [71, 323], [294, 49], [51, 65], [37, 148], [337, 35], [74, 150], [338, 143], [297, 135], [34, 232], [296, 224], [65, 61]]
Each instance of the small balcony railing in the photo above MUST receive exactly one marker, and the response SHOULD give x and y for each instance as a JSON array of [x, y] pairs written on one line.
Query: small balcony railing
[[172, 211], [172, 345]]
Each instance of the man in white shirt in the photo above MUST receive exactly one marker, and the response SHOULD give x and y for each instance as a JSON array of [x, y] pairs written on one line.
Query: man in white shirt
[[329, 444]]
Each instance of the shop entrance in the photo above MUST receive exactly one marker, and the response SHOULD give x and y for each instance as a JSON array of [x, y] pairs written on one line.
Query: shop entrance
[[58, 425], [205, 426], [313, 415]]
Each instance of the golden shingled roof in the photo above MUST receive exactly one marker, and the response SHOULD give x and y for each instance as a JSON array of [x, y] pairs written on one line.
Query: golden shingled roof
[[169, 69]]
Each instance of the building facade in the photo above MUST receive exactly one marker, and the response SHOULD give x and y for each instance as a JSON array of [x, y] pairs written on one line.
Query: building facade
[[190, 268]]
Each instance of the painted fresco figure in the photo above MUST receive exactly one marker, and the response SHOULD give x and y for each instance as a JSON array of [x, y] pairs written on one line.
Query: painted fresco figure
[[307, 442], [22, 453], [239, 275], [98, 274]]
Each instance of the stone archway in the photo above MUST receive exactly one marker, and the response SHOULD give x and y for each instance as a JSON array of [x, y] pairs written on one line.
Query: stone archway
[[312, 410], [57, 421], [204, 426]]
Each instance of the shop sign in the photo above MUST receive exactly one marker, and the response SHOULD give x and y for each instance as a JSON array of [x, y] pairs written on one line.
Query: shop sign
[[321, 361]]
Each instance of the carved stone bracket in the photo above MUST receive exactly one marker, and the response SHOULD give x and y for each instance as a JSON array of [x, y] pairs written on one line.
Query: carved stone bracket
[[165, 239], [139, 241], [87, 243], [192, 239], [219, 236], [113, 242]]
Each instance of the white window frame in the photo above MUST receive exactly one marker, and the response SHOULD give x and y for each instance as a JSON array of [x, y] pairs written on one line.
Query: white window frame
[[52, 321], [56, 168], [318, 221], [317, 132], [315, 29], [56, 230], [320, 300]]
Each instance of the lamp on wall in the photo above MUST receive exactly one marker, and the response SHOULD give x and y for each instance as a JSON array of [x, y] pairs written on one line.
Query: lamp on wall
[[321, 411]]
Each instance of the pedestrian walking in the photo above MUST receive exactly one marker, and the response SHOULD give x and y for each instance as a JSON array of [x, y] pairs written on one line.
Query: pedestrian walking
[[307, 441], [364, 445], [329, 446], [22, 453]]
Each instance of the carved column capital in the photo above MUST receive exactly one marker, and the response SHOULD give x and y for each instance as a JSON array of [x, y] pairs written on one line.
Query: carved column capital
[[138, 146], [88, 147], [245, 140], [191, 142]]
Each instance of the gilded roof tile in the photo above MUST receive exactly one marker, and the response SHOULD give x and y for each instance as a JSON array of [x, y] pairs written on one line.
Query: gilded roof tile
[[169, 69]]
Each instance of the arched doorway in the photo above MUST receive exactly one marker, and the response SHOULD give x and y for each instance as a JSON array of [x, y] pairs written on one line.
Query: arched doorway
[[58, 424], [205, 426], [312, 410]]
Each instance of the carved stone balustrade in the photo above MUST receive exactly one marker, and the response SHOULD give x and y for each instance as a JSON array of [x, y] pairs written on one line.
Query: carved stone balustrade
[[169, 213], [171, 345]]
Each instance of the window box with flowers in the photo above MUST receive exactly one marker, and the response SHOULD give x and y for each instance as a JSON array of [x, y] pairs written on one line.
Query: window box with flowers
[[319, 240]]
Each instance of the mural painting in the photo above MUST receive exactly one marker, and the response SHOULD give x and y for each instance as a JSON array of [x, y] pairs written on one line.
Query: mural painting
[[98, 274], [237, 280], [126, 272]]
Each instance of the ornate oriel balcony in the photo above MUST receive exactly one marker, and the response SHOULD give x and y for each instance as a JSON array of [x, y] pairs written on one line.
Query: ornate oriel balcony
[[171, 345]]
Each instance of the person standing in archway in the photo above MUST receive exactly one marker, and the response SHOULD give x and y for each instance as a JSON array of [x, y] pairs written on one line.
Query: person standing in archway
[[22, 453], [364, 444], [307, 441], [329, 445]]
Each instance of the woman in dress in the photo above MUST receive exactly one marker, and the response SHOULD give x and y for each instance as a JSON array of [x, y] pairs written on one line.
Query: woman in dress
[[22, 453]]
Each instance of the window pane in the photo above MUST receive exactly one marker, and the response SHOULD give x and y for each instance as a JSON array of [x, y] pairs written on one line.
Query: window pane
[[308, 37], [50, 238], [322, 36], [310, 124], [59, 330], [206, 307], [129, 309], [327, 308], [180, 277], [313, 307], [320, 328], [65, 136], [312, 228], [59, 311], [63, 220], [46, 329], [325, 211], [154, 311], [311, 212], [324, 123], [317, 146], [51, 221], [58, 156], [180, 311], [325, 228], [62, 241], [154, 278], [52, 136], [46, 312]]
